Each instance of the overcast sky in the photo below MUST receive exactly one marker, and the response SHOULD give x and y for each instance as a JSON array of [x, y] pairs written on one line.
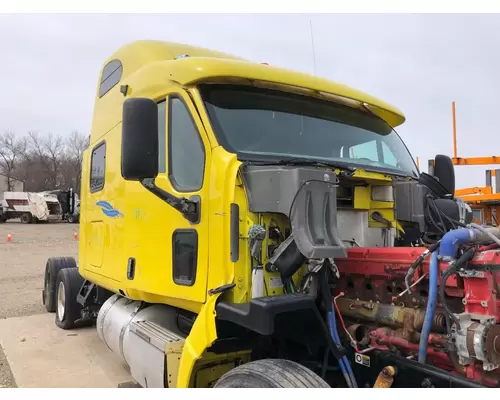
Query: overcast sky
[[420, 63]]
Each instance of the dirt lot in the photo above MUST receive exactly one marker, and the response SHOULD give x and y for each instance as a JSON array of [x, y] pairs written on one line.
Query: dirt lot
[[22, 264]]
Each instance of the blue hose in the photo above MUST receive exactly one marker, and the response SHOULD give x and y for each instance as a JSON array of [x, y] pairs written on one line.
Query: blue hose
[[336, 339], [345, 367], [452, 239], [431, 308], [350, 373], [448, 248]]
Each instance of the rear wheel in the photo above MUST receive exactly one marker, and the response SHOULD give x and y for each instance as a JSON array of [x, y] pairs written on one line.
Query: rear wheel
[[52, 268], [26, 218], [271, 373], [68, 311]]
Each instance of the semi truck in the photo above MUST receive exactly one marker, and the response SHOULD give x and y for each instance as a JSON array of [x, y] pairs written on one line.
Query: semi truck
[[244, 225]]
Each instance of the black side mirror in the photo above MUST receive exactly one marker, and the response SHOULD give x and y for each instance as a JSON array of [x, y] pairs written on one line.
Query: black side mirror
[[445, 172], [139, 158]]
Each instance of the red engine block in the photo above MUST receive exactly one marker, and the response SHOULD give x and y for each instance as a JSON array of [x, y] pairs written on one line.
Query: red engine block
[[379, 313]]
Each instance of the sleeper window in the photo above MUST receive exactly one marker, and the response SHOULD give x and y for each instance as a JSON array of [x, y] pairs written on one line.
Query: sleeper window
[[98, 168], [111, 75]]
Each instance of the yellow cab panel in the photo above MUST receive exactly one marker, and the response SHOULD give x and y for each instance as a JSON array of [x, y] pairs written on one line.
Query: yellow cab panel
[[131, 240]]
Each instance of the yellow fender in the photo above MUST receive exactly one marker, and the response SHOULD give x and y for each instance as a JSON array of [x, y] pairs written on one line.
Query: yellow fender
[[202, 335]]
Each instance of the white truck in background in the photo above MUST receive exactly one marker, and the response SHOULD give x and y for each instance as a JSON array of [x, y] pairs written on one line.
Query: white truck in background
[[30, 207], [70, 204]]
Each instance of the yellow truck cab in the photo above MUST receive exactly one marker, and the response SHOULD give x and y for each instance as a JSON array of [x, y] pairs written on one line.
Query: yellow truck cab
[[213, 190]]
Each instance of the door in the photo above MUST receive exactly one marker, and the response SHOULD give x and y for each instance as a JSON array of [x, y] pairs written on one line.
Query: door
[[177, 249]]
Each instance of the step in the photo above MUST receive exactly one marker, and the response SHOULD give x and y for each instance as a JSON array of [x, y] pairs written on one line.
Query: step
[[155, 334]]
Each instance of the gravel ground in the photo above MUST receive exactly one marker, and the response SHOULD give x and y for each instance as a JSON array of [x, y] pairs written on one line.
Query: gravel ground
[[22, 264]]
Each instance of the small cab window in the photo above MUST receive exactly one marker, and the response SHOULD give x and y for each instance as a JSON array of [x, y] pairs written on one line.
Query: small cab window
[[186, 151], [98, 168], [111, 75]]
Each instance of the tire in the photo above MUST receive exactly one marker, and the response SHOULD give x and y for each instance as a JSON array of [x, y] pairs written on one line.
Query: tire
[[52, 268], [68, 284], [71, 219], [26, 218], [271, 373], [3, 219]]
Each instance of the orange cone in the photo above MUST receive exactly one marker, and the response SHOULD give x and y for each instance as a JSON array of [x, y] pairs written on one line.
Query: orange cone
[[75, 235], [9, 237]]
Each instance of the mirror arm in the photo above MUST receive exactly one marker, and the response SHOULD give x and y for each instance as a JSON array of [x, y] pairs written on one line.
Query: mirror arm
[[190, 209]]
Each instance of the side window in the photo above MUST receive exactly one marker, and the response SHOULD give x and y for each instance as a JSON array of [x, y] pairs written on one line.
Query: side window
[[162, 137], [111, 75], [98, 168], [186, 151], [366, 150]]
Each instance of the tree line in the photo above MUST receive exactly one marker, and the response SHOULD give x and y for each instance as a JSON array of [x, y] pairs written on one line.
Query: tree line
[[43, 162]]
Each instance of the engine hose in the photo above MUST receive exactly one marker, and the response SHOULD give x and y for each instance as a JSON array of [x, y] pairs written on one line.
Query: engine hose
[[452, 269], [453, 239], [416, 263], [350, 373], [344, 365], [343, 361], [487, 232], [448, 314], [431, 308]]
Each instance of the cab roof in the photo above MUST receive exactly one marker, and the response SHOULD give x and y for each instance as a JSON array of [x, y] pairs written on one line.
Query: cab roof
[[190, 65]]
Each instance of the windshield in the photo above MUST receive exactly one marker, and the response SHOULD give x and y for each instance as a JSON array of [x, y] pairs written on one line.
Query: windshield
[[260, 123]]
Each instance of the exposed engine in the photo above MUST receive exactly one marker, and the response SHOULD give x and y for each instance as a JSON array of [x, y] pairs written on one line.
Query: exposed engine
[[431, 298], [379, 311]]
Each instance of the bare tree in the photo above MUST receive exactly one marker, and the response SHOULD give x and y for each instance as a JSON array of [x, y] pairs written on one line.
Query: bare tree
[[35, 143], [43, 162], [30, 167], [53, 146], [49, 151], [11, 149], [36, 162], [75, 145]]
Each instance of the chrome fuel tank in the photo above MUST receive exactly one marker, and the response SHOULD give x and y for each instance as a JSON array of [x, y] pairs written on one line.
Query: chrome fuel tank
[[139, 333]]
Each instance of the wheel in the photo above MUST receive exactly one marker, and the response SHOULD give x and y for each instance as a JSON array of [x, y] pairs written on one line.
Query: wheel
[[271, 373], [3, 219], [26, 218], [71, 219], [68, 284], [52, 268]]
